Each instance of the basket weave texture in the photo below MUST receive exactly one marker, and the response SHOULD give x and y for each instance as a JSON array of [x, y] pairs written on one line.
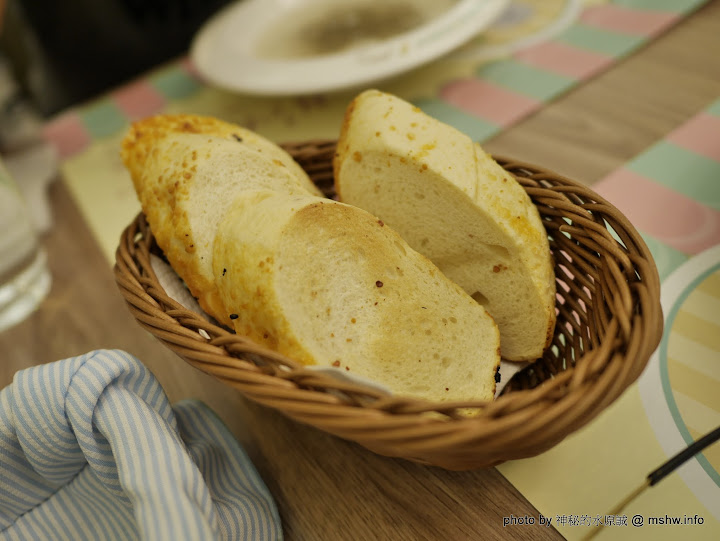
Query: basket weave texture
[[609, 323]]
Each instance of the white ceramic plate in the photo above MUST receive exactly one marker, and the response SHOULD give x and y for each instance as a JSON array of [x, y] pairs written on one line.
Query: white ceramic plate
[[524, 24], [228, 49]]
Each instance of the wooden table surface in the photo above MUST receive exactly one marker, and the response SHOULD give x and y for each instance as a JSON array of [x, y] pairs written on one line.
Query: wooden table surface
[[327, 488]]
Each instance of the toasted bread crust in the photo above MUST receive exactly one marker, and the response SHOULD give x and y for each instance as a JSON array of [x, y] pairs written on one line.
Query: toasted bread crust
[[329, 284], [186, 170], [453, 203], [318, 280]]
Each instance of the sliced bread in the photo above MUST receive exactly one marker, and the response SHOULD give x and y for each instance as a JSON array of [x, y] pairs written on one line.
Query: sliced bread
[[453, 203], [144, 135], [187, 171], [329, 284]]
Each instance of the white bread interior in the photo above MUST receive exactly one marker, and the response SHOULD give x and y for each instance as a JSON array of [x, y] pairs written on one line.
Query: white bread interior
[[453, 203], [329, 284], [187, 170]]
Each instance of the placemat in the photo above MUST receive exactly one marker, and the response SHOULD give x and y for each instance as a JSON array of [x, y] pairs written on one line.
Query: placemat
[[469, 89], [671, 193]]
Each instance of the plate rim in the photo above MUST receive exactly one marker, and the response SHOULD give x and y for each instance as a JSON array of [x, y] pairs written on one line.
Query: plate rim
[[348, 69]]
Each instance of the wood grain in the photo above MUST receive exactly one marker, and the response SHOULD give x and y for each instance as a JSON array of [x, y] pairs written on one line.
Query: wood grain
[[327, 488]]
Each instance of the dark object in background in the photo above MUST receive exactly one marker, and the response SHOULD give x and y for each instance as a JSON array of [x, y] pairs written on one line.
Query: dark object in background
[[68, 51]]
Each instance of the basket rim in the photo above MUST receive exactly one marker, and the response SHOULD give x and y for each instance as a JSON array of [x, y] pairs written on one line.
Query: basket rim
[[400, 426]]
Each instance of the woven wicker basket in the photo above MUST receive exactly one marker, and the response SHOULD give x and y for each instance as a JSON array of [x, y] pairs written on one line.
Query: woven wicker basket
[[609, 323]]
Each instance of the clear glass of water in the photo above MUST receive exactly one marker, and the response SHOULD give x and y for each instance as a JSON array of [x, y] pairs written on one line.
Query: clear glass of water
[[24, 276]]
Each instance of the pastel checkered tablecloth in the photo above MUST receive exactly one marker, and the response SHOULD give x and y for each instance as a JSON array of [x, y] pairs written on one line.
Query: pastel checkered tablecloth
[[671, 191], [478, 96]]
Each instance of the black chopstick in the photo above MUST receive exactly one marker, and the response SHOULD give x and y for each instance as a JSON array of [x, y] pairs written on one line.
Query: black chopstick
[[658, 474]]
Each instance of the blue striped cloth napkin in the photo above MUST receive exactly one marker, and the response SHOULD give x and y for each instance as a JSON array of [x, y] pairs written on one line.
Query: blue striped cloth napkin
[[91, 449]]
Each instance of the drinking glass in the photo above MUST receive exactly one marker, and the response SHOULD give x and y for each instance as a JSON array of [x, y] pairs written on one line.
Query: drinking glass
[[24, 276]]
